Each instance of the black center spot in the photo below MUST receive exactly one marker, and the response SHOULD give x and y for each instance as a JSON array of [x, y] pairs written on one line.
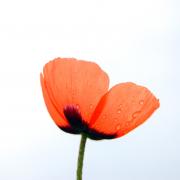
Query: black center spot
[[78, 125], [74, 118]]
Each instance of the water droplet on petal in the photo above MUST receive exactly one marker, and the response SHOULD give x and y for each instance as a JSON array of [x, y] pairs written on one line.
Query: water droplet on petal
[[141, 102], [128, 123], [91, 106], [77, 106], [135, 114], [119, 111], [115, 119], [118, 127]]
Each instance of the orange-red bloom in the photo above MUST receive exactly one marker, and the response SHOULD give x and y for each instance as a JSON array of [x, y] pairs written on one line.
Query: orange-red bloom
[[77, 98]]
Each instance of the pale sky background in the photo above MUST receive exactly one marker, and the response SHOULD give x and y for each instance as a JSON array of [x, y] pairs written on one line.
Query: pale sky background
[[132, 40]]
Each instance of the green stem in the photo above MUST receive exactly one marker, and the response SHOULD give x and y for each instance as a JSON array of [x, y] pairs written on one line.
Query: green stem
[[81, 156]]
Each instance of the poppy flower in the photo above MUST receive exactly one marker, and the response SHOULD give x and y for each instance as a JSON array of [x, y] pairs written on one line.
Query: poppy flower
[[77, 98]]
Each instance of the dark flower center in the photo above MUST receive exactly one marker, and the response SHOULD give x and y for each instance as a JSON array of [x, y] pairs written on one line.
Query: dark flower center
[[78, 125]]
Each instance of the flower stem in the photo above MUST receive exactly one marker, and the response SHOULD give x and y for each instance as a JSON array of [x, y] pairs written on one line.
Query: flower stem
[[81, 156]]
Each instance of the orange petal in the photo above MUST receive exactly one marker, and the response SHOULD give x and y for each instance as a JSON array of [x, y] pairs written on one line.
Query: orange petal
[[123, 108], [52, 109], [76, 83]]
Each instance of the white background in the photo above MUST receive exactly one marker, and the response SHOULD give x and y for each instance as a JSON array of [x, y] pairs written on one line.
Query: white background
[[132, 40]]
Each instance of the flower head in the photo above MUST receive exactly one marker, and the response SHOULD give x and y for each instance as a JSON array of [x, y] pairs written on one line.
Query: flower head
[[77, 97]]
